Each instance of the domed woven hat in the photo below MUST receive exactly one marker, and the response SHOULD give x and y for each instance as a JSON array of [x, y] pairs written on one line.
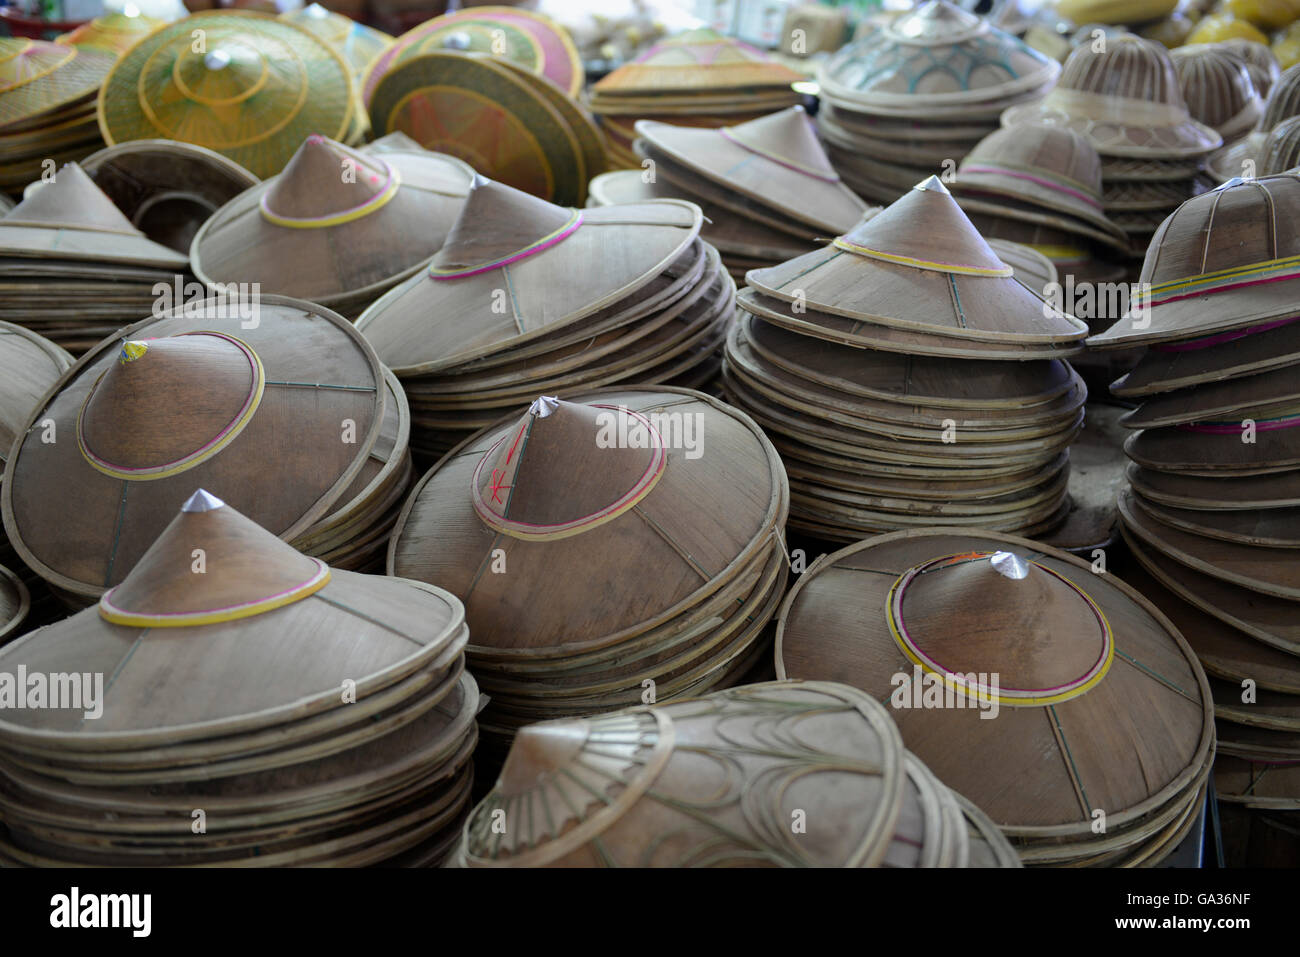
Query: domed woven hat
[[1218, 89]]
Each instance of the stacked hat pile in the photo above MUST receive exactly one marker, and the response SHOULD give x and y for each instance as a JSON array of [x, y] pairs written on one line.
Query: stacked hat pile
[[165, 188], [264, 710], [1281, 150], [1243, 157], [617, 548], [115, 32], [339, 227], [791, 774], [767, 190], [1102, 736], [908, 379], [15, 603], [494, 86], [47, 106], [74, 269], [1213, 505], [244, 84], [529, 299], [1260, 62], [698, 78], [1123, 96], [915, 95], [279, 405], [1218, 89], [1041, 186]]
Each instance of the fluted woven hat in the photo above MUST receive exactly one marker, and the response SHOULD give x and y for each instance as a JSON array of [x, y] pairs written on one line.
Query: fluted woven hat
[[1218, 89]]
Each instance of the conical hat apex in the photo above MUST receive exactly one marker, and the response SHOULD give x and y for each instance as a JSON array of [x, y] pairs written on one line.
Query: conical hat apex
[[497, 223], [71, 199]]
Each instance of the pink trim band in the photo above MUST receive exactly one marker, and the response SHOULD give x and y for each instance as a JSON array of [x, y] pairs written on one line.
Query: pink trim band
[[1194, 344], [563, 233], [1033, 179]]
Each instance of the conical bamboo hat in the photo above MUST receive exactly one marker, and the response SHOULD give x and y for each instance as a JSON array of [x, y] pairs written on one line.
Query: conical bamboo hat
[[1125, 100], [507, 247], [38, 77], [176, 402], [1222, 261], [15, 602], [711, 781], [920, 265], [1077, 663], [775, 160], [697, 61], [336, 224], [358, 43], [1216, 446], [1169, 366], [115, 32], [72, 218], [1218, 89], [937, 55], [259, 88], [29, 365], [167, 189], [259, 636], [1049, 167], [601, 487]]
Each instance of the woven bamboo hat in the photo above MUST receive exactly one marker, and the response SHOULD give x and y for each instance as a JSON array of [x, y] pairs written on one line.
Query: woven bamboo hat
[[349, 224], [1219, 263], [1281, 150], [38, 78], [713, 782], [532, 40], [1125, 100], [775, 161], [901, 267], [208, 393], [1218, 89], [228, 98], [15, 602], [167, 189], [358, 43], [505, 238], [72, 219], [1075, 662], [1242, 158], [1054, 170], [115, 32], [698, 61], [29, 365], [1260, 62], [938, 56]]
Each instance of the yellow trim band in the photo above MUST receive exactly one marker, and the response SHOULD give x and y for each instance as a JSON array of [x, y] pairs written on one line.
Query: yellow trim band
[[850, 247], [215, 616]]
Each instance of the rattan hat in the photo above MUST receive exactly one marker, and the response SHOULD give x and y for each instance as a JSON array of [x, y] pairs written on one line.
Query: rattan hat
[[1218, 89], [1219, 263], [29, 365], [338, 227], [697, 61], [227, 98], [167, 189], [208, 393], [116, 32], [1242, 158], [39, 78], [1125, 100], [1259, 59], [1281, 151], [358, 43], [1075, 661]]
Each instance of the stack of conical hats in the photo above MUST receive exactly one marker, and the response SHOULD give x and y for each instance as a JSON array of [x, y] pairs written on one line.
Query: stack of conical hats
[[73, 268], [165, 188], [1123, 96], [1243, 157], [282, 409], [1212, 508], [698, 78], [358, 43], [767, 190], [115, 32], [263, 710], [907, 378], [15, 603], [244, 84], [783, 774], [487, 327], [1103, 735], [339, 227], [47, 106], [619, 547], [1040, 185], [1218, 89], [918, 93]]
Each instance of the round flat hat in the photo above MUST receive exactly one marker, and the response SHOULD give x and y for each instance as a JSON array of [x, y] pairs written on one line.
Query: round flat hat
[[358, 43], [257, 89], [29, 365], [115, 32], [1101, 703], [72, 218], [491, 286], [1223, 261], [920, 265], [937, 55], [1233, 446], [1125, 100], [1218, 89], [274, 403], [167, 189], [39, 78], [337, 225]]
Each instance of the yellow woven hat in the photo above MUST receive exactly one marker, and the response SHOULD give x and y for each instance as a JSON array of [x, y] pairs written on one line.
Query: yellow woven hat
[[117, 32], [246, 85], [38, 77]]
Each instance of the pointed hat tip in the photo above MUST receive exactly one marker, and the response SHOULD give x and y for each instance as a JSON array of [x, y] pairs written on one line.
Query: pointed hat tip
[[1009, 564], [932, 184], [202, 501], [543, 406]]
